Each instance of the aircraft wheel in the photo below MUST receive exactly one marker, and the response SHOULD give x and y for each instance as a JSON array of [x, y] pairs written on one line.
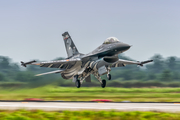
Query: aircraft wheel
[[103, 85], [109, 76], [78, 83]]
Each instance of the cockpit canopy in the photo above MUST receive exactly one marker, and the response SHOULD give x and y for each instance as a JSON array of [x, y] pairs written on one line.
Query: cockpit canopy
[[111, 40]]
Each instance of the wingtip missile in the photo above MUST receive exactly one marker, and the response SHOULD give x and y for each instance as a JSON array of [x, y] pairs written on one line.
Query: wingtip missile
[[24, 64], [144, 62]]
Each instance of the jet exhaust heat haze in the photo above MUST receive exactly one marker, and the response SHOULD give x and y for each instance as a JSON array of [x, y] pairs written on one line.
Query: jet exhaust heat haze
[[79, 67]]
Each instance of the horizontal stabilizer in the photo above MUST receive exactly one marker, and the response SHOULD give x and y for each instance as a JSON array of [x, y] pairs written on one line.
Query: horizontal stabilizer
[[57, 71]]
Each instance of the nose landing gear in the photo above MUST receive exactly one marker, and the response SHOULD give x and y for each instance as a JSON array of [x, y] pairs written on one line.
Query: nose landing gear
[[103, 82]]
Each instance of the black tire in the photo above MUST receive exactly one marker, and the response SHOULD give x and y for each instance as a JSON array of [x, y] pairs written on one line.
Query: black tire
[[78, 83], [109, 76], [103, 85]]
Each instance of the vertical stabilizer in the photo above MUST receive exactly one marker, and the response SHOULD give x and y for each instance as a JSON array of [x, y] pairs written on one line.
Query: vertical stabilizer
[[69, 44]]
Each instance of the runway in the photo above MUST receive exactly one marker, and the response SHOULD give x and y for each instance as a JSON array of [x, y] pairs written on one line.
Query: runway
[[59, 106]]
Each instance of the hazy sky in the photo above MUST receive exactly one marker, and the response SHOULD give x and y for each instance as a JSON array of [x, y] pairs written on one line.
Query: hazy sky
[[32, 29]]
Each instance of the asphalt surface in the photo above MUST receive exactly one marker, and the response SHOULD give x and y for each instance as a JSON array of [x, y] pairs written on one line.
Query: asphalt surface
[[58, 106]]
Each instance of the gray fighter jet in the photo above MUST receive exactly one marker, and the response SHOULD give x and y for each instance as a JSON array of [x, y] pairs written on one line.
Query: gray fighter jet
[[79, 67]]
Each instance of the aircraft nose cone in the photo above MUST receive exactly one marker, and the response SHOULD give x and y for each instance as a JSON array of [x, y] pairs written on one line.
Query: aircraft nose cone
[[118, 48], [126, 46], [123, 46]]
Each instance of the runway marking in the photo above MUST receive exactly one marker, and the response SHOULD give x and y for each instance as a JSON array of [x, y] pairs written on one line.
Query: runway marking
[[80, 106], [24, 102], [53, 107]]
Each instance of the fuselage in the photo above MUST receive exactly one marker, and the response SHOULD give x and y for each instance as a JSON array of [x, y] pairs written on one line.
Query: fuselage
[[109, 50], [105, 50], [93, 59]]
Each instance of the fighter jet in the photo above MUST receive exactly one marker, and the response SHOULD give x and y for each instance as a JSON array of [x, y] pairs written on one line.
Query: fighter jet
[[79, 67]]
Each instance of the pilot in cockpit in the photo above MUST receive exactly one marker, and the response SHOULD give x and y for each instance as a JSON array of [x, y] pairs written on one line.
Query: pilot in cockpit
[[111, 40]]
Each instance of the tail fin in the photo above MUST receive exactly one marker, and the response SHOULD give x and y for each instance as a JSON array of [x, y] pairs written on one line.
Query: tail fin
[[69, 44]]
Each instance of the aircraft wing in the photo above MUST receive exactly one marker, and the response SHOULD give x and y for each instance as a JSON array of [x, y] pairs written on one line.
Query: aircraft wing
[[61, 64], [121, 63], [56, 71]]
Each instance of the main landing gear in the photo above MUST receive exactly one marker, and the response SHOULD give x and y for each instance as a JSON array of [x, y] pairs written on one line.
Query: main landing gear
[[103, 84], [78, 83], [109, 76]]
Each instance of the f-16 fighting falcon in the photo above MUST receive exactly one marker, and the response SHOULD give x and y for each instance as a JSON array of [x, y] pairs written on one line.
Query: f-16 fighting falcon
[[79, 67]]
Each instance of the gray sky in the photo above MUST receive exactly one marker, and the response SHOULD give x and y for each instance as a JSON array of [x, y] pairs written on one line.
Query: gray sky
[[31, 29]]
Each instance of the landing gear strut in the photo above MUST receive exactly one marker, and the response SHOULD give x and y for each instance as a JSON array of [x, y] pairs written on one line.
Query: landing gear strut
[[109, 76]]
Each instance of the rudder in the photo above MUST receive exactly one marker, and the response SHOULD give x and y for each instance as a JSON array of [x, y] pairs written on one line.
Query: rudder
[[69, 44]]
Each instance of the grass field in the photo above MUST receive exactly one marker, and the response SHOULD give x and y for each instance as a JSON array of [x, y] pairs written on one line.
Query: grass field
[[86, 115], [87, 94]]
